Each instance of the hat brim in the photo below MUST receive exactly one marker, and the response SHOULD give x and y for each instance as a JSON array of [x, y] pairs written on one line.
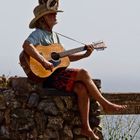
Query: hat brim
[[33, 21]]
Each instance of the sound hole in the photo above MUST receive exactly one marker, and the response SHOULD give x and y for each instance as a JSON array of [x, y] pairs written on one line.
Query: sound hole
[[55, 56]]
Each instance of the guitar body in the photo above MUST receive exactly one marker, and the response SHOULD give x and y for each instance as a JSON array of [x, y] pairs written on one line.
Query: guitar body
[[36, 69], [55, 54]]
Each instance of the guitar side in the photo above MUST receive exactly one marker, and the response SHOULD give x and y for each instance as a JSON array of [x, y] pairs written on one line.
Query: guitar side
[[46, 52]]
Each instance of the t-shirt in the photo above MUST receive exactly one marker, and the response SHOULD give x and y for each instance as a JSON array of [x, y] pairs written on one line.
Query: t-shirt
[[43, 37]]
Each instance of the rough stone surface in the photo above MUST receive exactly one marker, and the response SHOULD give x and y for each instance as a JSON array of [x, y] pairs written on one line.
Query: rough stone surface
[[26, 114]]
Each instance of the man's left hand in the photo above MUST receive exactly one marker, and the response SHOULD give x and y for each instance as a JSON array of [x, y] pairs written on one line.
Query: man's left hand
[[89, 50]]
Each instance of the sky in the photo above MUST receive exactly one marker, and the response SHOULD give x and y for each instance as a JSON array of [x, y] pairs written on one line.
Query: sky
[[117, 23]]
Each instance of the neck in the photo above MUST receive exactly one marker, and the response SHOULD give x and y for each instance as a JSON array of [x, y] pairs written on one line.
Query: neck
[[47, 27]]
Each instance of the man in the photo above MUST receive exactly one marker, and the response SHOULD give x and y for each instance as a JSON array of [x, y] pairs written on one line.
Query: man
[[77, 80]]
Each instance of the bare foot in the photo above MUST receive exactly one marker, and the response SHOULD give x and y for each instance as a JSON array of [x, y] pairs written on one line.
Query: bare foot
[[89, 134], [111, 107]]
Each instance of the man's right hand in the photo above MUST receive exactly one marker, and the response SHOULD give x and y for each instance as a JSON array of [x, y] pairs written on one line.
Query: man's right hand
[[47, 65]]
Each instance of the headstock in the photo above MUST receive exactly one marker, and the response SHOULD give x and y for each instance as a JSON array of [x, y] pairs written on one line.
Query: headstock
[[100, 45]]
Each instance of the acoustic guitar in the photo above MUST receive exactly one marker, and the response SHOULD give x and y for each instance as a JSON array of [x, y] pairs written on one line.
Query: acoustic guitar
[[55, 54]]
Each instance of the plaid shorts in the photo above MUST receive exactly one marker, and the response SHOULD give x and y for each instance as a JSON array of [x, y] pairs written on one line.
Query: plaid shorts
[[62, 79]]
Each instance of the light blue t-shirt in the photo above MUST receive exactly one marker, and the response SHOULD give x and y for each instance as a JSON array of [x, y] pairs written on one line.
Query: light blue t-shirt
[[42, 37]]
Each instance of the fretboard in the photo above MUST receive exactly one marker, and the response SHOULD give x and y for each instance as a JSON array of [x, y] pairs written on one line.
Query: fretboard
[[72, 51]]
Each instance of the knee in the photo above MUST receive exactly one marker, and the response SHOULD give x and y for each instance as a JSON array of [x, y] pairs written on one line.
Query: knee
[[83, 75]]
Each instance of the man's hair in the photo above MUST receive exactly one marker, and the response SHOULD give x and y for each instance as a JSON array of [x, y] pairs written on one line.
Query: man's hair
[[40, 23], [42, 1]]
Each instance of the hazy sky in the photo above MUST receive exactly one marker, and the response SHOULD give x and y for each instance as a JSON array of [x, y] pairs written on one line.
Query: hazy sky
[[115, 22]]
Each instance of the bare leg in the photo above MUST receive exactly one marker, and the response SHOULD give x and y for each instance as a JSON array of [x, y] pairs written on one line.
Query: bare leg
[[94, 92], [84, 104]]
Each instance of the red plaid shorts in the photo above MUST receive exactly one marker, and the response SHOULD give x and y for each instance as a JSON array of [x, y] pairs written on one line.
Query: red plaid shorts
[[62, 79]]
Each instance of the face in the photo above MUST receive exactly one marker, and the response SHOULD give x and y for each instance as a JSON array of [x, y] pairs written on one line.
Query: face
[[51, 19]]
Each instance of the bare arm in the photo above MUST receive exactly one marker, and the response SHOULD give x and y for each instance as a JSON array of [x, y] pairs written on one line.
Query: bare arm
[[75, 57], [31, 51]]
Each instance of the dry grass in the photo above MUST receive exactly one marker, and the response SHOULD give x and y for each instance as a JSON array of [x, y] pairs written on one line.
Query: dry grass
[[121, 127]]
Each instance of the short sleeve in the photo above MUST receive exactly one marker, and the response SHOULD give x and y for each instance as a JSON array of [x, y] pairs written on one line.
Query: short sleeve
[[33, 38]]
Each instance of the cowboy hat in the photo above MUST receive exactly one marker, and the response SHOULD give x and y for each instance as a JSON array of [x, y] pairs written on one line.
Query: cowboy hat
[[50, 7]]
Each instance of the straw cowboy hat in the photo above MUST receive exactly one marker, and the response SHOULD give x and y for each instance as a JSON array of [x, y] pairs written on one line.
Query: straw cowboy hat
[[51, 6]]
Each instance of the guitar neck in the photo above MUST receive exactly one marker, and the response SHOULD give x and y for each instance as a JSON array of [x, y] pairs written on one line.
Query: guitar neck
[[98, 46], [72, 51]]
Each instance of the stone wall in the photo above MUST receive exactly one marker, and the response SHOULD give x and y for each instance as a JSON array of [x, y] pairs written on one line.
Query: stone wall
[[28, 112]]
